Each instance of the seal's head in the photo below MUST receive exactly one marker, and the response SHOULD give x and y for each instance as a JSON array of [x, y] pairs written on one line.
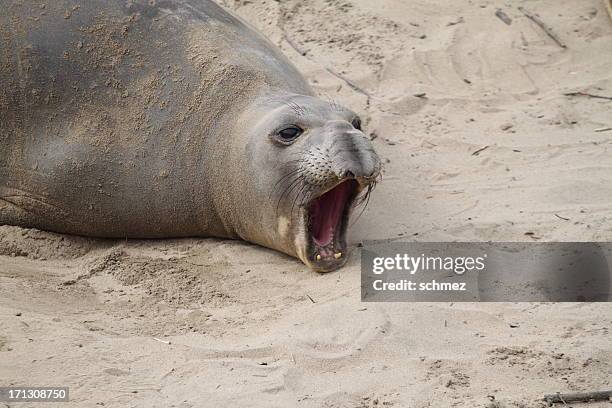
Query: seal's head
[[307, 165]]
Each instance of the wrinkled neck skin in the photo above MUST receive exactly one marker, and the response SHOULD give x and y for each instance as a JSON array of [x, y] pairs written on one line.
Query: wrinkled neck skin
[[245, 199]]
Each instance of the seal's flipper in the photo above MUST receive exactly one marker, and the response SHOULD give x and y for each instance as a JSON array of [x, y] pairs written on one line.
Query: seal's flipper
[[21, 208]]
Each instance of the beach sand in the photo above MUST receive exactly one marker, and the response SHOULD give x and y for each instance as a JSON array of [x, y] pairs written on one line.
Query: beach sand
[[479, 143]]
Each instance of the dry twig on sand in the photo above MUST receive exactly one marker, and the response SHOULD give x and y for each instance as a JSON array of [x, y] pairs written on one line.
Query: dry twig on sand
[[587, 94], [303, 53], [503, 16], [482, 149], [349, 83], [293, 45], [578, 397], [543, 26]]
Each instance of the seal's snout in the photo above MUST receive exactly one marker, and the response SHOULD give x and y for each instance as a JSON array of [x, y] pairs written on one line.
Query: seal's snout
[[342, 154], [352, 153], [341, 171]]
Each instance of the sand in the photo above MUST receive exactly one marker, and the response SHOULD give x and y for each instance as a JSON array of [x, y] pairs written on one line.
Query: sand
[[479, 142]]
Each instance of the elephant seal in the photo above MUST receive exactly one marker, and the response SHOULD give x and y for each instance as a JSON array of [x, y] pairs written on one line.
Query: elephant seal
[[171, 118]]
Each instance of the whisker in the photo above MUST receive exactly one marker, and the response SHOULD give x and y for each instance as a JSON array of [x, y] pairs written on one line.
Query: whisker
[[285, 176], [288, 191], [290, 183], [365, 198], [300, 196]]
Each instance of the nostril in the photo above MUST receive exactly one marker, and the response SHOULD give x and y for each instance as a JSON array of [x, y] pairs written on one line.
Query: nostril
[[349, 174]]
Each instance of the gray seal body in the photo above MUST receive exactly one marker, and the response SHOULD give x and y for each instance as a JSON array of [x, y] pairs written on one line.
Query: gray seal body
[[154, 119]]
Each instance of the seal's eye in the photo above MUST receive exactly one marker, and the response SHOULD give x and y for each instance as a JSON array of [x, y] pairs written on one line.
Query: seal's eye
[[289, 133], [356, 123]]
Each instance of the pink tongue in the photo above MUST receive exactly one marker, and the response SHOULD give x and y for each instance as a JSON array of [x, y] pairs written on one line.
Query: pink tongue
[[326, 211]]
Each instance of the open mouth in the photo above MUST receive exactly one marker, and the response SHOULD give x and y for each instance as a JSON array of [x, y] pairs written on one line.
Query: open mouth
[[327, 223]]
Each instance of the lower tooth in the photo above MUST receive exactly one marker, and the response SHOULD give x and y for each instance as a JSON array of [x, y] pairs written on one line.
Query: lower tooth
[[338, 255], [318, 257]]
